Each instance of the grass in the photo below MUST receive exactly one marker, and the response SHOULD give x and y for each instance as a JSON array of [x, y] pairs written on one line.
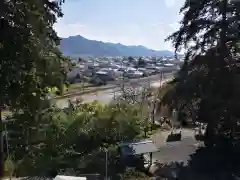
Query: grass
[[79, 86], [86, 91], [83, 88]]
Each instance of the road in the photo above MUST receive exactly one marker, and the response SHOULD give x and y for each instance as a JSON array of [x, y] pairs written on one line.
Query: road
[[105, 96]]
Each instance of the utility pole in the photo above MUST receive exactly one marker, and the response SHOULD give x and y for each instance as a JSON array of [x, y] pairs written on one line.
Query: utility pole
[[156, 100], [6, 140], [106, 167]]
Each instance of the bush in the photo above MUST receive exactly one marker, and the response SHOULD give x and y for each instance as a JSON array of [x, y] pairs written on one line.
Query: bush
[[174, 137], [58, 92], [9, 167], [67, 84], [73, 137]]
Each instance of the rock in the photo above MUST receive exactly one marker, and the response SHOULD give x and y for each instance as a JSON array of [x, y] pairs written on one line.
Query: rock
[[169, 171]]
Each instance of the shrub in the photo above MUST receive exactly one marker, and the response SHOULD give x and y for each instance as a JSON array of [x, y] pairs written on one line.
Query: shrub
[[9, 167]]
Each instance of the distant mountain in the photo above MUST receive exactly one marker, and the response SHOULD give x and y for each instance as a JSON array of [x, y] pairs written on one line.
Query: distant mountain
[[79, 46]]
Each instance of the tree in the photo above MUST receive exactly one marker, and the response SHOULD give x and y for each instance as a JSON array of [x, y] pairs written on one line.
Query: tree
[[130, 59], [198, 33], [33, 42], [132, 174], [143, 101], [141, 62], [206, 86], [59, 147]]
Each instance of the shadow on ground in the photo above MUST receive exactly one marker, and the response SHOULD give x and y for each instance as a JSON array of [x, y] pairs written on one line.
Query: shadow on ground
[[204, 164]]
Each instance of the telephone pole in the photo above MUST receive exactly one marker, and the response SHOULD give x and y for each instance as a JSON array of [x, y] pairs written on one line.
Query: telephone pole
[[106, 165], [156, 100]]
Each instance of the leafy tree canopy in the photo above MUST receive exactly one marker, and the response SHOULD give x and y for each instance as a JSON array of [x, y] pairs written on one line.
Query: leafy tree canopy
[[206, 87]]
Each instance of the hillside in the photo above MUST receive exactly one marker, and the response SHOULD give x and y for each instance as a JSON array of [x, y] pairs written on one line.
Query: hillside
[[78, 45]]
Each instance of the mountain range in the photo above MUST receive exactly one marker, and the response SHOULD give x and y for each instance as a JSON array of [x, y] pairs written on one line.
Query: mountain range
[[75, 46]]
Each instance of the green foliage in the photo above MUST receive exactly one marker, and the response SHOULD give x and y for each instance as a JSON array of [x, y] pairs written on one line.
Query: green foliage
[[74, 64], [29, 61], [73, 140], [36, 60], [9, 167], [199, 32], [206, 87], [44, 140], [130, 59], [141, 62], [132, 174]]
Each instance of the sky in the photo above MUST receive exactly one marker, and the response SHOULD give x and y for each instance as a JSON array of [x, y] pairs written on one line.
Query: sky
[[129, 22]]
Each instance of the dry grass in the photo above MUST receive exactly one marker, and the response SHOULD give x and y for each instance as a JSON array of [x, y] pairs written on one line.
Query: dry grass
[[78, 86]]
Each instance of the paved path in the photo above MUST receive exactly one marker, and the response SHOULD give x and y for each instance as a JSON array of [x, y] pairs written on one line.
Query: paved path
[[175, 151]]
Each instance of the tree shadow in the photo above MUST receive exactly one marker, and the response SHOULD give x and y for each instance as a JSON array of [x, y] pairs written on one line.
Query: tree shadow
[[205, 163]]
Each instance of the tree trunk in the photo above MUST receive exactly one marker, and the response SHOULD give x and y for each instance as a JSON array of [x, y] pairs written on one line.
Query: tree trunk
[[1, 145], [209, 140]]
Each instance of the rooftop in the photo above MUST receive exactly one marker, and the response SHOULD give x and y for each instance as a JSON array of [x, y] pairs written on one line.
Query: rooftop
[[137, 148]]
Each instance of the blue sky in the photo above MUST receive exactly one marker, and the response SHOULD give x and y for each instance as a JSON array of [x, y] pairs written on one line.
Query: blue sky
[[130, 22]]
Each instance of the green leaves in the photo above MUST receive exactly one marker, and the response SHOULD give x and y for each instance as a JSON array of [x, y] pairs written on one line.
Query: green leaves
[[205, 86], [61, 140], [201, 26], [30, 60]]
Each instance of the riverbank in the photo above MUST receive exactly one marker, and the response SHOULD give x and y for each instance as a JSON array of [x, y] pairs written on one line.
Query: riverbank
[[111, 85], [104, 96]]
